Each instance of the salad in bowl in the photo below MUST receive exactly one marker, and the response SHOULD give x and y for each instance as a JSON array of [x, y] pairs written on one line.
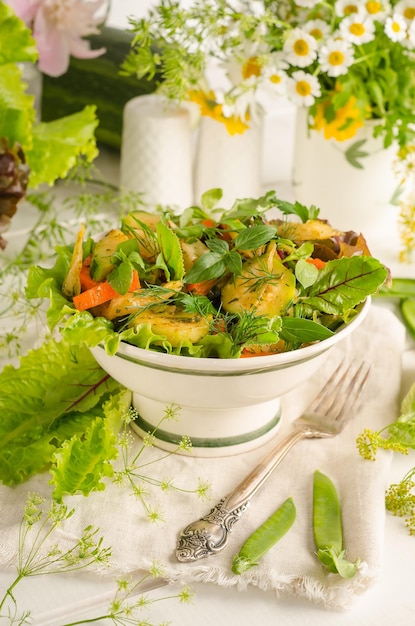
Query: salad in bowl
[[210, 283], [211, 316]]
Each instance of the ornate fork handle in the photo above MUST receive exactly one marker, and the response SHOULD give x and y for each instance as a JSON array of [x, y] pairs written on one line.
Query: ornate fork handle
[[210, 534]]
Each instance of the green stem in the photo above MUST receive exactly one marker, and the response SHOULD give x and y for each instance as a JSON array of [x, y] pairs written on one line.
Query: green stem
[[9, 591], [90, 620]]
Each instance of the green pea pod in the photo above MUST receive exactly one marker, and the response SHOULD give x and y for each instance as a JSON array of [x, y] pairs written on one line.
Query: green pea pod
[[327, 527], [399, 288], [407, 308], [264, 537]]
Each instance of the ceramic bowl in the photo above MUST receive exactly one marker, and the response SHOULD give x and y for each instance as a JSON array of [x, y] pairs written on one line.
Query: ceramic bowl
[[226, 406]]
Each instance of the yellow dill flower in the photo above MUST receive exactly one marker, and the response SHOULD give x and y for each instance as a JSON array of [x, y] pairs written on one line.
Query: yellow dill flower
[[345, 124], [210, 108]]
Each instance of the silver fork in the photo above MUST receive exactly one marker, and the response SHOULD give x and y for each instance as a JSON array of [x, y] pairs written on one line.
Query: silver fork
[[326, 416]]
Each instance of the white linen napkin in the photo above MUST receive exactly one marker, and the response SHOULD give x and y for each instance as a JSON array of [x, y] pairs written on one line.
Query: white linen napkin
[[291, 566]]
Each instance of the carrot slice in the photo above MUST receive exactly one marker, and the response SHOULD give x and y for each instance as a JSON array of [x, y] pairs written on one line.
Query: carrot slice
[[318, 263], [202, 288], [95, 293], [100, 293]]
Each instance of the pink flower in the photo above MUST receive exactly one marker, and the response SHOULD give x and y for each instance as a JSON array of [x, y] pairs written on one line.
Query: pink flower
[[58, 27]]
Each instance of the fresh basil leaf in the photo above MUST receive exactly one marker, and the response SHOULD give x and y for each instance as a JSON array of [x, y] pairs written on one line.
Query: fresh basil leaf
[[299, 330], [254, 237], [171, 251], [233, 262], [207, 267], [217, 245], [305, 273], [211, 198], [120, 278]]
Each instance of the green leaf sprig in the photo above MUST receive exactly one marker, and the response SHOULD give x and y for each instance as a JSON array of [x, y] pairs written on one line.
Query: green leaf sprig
[[397, 437]]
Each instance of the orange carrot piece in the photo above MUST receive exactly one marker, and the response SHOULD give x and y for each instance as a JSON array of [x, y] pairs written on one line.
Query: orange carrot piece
[[100, 293], [318, 263], [202, 288], [95, 293]]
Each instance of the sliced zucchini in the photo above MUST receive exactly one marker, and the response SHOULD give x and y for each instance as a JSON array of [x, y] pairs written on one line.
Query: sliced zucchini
[[104, 249]]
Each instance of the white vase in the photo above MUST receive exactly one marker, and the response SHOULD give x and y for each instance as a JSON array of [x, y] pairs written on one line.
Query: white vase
[[351, 198], [230, 162], [156, 152]]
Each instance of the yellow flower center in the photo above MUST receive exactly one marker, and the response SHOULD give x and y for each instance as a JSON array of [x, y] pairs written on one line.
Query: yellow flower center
[[357, 29], [301, 48], [316, 33], [373, 7], [336, 57], [303, 88], [349, 9], [275, 78], [251, 68], [396, 27], [409, 13]]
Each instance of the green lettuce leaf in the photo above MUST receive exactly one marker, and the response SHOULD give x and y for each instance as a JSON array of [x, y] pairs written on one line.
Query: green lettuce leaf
[[344, 283], [53, 416], [52, 149], [17, 43], [59, 144]]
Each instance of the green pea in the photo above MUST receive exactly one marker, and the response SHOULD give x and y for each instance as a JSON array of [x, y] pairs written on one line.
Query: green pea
[[327, 522], [328, 529], [407, 308], [264, 537], [399, 288]]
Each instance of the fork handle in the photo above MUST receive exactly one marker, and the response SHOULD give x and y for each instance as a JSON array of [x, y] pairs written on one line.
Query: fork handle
[[210, 534]]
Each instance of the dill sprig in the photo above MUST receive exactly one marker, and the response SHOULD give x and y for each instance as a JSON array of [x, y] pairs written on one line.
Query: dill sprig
[[135, 465], [39, 554], [397, 437]]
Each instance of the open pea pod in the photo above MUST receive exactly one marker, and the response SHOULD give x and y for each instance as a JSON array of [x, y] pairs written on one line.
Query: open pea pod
[[328, 529]]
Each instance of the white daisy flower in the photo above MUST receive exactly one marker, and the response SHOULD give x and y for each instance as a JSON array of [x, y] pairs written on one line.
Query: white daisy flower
[[406, 8], [377, 9], [395, 27], [335, 57], [303, 88], [300, 48], [357, 29], [319, 29], [343, 8]]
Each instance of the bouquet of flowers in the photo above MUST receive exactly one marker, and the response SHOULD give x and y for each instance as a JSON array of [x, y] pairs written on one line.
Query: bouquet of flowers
[[347, 61], [59, 27]]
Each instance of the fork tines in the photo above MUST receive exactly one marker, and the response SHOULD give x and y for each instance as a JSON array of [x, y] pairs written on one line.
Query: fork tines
[[343, 386]]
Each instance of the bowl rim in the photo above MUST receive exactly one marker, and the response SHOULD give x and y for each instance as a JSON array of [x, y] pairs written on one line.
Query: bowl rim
[[163, 361]]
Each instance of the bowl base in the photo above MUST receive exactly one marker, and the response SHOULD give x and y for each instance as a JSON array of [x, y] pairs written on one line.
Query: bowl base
[[214, 432]]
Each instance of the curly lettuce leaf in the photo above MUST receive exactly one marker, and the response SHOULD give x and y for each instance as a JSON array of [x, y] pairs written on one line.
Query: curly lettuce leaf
[[58, 145], [48, 404], [52, 149], [17, 43]]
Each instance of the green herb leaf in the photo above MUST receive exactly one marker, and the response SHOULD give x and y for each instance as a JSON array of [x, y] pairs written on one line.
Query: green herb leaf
[[207, 267], [120, 278], [171, 251], [297, 330], [343, 283], [305, 273], [254, 237]]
